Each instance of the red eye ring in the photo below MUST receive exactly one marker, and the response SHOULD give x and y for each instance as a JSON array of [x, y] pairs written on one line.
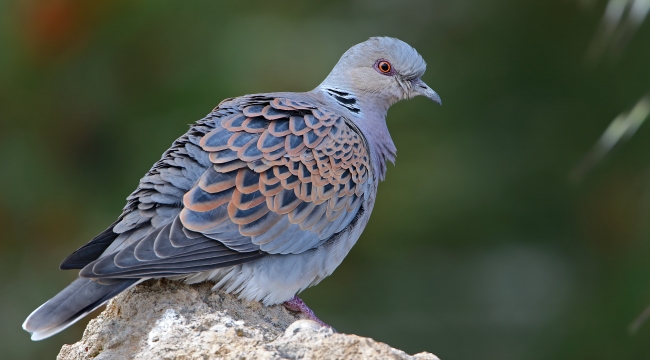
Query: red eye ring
[[384, 66]]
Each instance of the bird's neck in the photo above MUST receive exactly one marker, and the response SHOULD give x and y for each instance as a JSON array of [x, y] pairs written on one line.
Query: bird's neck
[[372, 123], [369, 115]]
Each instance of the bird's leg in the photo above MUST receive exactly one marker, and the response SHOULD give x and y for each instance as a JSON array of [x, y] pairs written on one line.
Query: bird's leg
[[296, 304]]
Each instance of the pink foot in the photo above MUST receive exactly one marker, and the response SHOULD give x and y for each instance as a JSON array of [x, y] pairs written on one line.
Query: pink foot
[[296, 304]]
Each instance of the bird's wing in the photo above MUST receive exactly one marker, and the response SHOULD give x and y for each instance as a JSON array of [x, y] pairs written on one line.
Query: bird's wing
[[280, 177]]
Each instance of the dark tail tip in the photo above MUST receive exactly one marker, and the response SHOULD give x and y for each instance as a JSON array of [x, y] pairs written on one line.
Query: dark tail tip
[[70, 305]]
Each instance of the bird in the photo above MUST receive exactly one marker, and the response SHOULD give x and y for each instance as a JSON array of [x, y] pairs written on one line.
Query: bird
[[265, 196]]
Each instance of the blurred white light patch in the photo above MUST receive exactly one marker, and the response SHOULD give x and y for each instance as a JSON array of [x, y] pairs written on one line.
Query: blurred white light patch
[[618, 131], [621, 20]]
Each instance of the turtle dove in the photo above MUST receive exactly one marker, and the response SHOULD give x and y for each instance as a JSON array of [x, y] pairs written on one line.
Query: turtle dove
[[265, 196]]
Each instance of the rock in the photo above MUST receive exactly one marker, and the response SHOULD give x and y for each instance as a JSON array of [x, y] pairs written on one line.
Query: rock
[[162, 319]]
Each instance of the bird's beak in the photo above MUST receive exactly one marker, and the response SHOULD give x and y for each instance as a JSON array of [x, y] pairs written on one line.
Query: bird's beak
[[420, 88]]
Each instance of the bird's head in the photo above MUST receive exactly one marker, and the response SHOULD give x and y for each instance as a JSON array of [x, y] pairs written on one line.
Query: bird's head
[[383, 70]]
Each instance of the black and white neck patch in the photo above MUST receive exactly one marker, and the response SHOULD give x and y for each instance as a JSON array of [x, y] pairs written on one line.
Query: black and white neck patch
[[344, 99]]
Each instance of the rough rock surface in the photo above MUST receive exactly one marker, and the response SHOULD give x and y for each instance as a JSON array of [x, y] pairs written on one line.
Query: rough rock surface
[[169, 320]]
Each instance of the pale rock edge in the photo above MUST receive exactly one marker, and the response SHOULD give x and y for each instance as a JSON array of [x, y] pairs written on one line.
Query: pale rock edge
[[170, 320]]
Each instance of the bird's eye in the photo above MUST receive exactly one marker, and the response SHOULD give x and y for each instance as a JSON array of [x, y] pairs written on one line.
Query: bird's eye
[[384, 67]]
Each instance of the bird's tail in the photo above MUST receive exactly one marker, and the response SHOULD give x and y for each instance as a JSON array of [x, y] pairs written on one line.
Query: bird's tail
[[71, 304]]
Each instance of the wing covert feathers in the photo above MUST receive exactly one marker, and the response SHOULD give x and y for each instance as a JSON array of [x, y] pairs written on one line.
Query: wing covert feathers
[[260, 175], [287, 170]]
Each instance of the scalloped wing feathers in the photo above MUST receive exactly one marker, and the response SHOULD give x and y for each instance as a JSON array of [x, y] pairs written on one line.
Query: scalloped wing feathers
[[288, 173], [260, 175]]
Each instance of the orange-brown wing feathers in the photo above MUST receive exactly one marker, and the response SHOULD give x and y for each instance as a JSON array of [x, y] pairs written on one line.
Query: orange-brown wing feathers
[[287, 173]]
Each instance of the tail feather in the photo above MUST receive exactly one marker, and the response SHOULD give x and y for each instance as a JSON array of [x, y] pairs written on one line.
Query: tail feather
[[71, 304]]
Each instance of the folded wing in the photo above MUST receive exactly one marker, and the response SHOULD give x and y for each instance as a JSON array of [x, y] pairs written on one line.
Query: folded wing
[[266, 175]]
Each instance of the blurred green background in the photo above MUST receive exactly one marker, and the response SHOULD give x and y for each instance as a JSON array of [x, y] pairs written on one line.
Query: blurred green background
[[480, 246]]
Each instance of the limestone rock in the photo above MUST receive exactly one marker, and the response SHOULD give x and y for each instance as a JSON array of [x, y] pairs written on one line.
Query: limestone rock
[[170, 320]]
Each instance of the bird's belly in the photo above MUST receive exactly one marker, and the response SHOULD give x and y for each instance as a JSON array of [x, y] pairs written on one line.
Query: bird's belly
[[275, 279]]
